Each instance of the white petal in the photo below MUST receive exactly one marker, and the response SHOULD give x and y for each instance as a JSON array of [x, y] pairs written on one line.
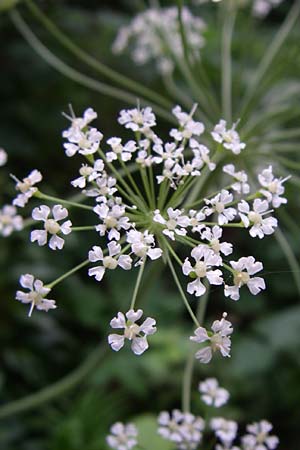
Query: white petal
[[97, 272], [41, 213], [139, 345], [59, 212], [56, 242], [116, 341]]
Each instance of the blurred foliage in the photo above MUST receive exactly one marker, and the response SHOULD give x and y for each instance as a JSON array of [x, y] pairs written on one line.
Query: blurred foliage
[[264, 371]]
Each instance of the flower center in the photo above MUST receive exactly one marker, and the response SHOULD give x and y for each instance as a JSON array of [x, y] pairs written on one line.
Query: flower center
[[24, 185], [52, 226], [215, 245], [220, 207], [261, 437], [86, 171], [171, 224], [200, 269], [254, 217], [5, 219], [110, 222], [241, 278], [273, 187], [216, 342], [131, 331], [109, 262]]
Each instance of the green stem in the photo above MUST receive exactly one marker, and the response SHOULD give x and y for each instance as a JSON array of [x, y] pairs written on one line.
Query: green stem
[[290, 256], [57, 389], [227, 33], [93, 62], [50, 198], [270, 54], [137, 284], [84, 228], [77, 76], [190, 363], [182, 294], [67, 274]]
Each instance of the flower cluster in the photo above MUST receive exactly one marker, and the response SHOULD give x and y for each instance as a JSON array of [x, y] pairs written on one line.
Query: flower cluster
[[155, 34], [133, 225], [187, 431]]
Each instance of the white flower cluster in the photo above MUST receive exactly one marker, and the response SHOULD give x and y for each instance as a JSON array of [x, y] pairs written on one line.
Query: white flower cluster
[[187, 431], [3, 157], [155, 35], [141, 214]]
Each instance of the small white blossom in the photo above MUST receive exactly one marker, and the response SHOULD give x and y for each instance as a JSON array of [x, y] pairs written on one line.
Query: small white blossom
[[83, 142], [26, 188], [79, 123], [218, 205], [218, 339], [104, 189], [225, 430], [272, 188], [143, 244], [259, 437], [9, 220], [122, 437], [243, 269], [88, 174], [111, 261], [135, 333], [213, 235], [188, 126], [229, 138], [241, 185], [36, 295], [137, 119], [123, 151], [212, 393], [205, 258], [183, 429], [196, 217], [260, 226], [3, 157], [114, 220], [51, 226], [201, 152], [175, 224]]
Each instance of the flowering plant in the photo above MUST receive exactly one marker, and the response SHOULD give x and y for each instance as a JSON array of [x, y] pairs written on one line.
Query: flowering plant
[[179, 198]]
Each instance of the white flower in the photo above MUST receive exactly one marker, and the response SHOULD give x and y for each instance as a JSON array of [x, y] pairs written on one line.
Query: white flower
[[3, 157], [213, 235], [175, 224], [137, 119], [51, 226], [219, 339], [241, 185], [260, 226], [202, 153], [218, 205], [262, 7], [105, 188], [272, 187], [212, 393], [36, 295], [135, 333], [9, 220], [229, 138], [122, 437], [123, 151], [168, 153], [79, 123], [196, 217], [143, 244], [188, 126], [26, 187], [147, 44], [243, 269], [205, 259], [225, 430], [88, 174], [113, 220], [111, 261], [83, 142], [183, 429], [259, 437]]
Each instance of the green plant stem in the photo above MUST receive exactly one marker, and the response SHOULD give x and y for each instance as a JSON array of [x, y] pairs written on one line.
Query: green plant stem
[[67, 274], [182, 294], [57, 389], [190, 363], [270, 54], [93, 62], [227, 33], [290, 256], [77, 76], [50, 198], [84, 228], [137, 284]]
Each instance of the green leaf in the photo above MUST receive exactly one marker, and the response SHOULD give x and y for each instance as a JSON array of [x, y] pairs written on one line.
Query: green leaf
[[148, 437]]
